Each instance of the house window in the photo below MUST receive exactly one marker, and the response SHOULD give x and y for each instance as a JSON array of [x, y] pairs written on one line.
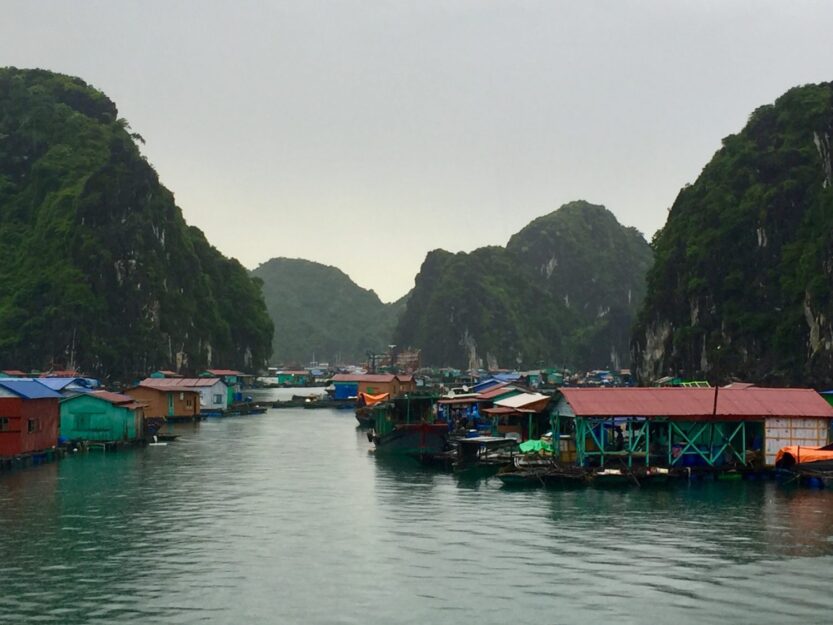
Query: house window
[[4, 424], [218, 399], [188, 402], [82, 422], [34, 426]]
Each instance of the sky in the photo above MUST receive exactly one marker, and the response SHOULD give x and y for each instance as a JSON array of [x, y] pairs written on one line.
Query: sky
[[363, 134]]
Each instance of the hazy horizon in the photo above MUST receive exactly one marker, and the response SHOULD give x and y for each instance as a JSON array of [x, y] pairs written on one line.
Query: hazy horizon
[[363, 138]]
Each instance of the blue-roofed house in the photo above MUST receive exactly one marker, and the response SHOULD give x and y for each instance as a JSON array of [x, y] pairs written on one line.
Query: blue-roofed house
[[28, 417], [485, 385]]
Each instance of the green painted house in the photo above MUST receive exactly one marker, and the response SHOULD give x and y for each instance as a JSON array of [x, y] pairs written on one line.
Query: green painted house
[[101, 416]]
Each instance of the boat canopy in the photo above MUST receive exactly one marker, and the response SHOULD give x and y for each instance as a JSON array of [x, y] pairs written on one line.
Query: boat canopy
[[371, 400], [797, 454]]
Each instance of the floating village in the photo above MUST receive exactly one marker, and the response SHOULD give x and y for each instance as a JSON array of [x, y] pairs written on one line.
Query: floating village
[[544, 428]]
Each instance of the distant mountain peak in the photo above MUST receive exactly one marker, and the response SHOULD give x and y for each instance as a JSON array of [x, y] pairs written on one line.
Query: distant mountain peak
[[317, 308], [563, 290]]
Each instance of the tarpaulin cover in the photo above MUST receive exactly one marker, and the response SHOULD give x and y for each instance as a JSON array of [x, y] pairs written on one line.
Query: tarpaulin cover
[[528, 447], [803, 455], [371, 400]]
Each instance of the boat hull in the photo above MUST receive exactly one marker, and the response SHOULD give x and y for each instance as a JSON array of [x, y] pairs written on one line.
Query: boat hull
[[413, 439]]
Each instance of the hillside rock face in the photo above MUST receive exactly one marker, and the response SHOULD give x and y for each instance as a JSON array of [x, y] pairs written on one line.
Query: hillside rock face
[[564, 291], [98, 269], [741, 285], [319, 312]]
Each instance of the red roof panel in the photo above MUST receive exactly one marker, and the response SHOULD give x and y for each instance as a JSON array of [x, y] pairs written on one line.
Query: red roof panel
[[174, 383], [370, 377], [497, 391], [113, 398], [697, 402]]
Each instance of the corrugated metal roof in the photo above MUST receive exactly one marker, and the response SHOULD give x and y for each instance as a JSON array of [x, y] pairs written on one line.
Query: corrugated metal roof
[[68, 373], [697, 402], [503, 389], [29, 389], [453, 401], [169, 374], [221, 372], [113, 398], [175, 383], [14, 373], [485, 385], [370, 377], [59, 384], [500, 410], [522, 400]]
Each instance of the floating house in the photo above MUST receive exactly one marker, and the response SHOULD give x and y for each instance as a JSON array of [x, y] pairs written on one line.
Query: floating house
[[28, 418], [61, 373], [522, 414], [102, 416], [294, 377], [482, 412], [168, 402], [678, 427], [13, 373], [165, 373], [236, 381], [213, 392], [349, 385]]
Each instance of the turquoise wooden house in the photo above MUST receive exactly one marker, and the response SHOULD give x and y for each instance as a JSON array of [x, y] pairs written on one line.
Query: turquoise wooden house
[[101, 416]]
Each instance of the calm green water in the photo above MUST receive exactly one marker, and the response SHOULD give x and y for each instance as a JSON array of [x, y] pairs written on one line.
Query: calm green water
[[286, 518]]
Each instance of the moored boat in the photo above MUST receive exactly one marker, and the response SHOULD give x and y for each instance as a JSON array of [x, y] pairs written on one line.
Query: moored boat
[[483, 456], [412, 439]]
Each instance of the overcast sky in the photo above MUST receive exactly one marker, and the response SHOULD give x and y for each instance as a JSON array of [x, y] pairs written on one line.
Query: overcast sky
[[364, 134]]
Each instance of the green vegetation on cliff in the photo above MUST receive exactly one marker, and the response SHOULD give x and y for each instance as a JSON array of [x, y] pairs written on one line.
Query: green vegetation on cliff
[[98, 269], [741, 286], [565, 290], [318, 310]]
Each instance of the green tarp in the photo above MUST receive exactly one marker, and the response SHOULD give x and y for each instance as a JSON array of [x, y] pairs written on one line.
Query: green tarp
[[529, 447]]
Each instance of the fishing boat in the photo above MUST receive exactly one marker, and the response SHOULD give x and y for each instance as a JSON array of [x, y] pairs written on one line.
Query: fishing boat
[[558, 476], [521, 478], [809, 466], [368, 407], [412, 439]]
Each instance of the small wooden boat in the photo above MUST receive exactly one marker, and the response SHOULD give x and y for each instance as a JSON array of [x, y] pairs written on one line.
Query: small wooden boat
[[483, 456], [530, 478], [565, 477]]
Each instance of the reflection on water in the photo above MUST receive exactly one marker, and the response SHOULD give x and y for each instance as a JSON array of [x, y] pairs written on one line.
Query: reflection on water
[[287, 517]]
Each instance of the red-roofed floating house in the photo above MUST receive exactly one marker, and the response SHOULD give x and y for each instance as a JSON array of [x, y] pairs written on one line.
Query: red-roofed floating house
[[690, 427]]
